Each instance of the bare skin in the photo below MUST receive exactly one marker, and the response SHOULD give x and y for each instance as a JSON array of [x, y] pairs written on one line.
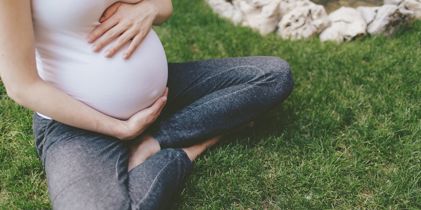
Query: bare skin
[[148, 146], [23, 84]]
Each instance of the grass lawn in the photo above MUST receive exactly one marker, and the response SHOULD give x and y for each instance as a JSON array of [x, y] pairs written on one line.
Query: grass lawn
[[348, 137]]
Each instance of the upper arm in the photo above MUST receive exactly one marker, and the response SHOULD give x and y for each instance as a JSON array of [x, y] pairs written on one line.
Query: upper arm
[[17, 52]]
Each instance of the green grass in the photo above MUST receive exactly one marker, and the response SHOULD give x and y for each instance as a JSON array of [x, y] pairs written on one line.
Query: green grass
[[348, 137]]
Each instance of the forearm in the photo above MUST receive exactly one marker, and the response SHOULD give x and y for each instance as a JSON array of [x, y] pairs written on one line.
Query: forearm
[[44, 98], [164, 10], [20, 78]]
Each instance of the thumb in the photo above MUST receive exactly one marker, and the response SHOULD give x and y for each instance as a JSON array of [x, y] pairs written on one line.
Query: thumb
[[110, 11]]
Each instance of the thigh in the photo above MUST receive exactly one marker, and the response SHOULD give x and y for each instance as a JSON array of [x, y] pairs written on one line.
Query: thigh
[[191, 81], [84, 170], [214, 96]]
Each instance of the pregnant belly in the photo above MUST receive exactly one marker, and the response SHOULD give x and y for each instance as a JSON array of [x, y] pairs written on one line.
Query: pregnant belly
[[113, 86]]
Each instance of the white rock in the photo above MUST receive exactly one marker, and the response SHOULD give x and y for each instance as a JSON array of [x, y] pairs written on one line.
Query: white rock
[[226, 10], [303, 22], [297, 19], [261, 15], [384, 19], [287, 6], [346, 23], [368, 13], [407, 5]]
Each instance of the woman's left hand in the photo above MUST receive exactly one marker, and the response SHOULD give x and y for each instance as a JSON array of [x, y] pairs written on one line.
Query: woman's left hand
[[125, 23]]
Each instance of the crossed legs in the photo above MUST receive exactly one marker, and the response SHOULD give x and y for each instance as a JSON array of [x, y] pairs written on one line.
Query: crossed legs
[[209, 98], [87, 170]]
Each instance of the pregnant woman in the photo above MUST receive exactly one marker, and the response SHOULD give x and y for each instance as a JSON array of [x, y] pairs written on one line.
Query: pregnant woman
[[115, 125]]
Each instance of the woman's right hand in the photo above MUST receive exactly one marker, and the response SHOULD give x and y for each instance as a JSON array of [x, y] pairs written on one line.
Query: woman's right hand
[[138, 123]]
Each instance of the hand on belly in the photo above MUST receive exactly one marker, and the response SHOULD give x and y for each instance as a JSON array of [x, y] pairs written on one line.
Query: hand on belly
[[131, 85], [126, 23], [115, 86], [118, 87]]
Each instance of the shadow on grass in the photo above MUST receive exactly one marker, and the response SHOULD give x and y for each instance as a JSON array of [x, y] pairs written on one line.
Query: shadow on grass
[[273, 123]]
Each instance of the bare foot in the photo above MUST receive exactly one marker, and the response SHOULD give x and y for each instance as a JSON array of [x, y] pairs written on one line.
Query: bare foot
[[146, 147], [194, 151]]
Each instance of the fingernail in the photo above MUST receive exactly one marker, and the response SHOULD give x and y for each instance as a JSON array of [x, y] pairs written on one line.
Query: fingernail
[[164, 98]]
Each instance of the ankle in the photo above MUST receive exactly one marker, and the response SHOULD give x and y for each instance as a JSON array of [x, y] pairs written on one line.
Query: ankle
[[191, 152], [194, 151], [151, 141], [145, 148]]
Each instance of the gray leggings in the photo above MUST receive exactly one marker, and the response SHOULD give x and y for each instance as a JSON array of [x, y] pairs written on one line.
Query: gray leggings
[[87, 170]]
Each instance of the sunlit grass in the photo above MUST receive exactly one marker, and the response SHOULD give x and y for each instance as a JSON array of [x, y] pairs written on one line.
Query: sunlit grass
[[348, 137]]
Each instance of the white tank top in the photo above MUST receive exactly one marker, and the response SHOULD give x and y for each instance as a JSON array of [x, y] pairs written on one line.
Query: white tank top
[[113, 86]]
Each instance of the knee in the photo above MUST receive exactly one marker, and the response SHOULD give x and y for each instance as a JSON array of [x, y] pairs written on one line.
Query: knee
[[278, 71]]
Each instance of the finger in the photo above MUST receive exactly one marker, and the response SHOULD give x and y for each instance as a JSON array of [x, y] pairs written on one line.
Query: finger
[[165, 93], [167, 90], [158, 104], [137, 40], [110, 11], [164, 97], [109, 36], [121, 41], [161, 108], [101, 29], [150, 114], [156, 114], [131, 1]]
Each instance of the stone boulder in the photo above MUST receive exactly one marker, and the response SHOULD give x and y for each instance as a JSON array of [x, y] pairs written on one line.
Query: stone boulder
[[260, 15], [414, 6], [226, 10], [287, 6], [300, 19], [385, 19], [347, 23], [303, 22]]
